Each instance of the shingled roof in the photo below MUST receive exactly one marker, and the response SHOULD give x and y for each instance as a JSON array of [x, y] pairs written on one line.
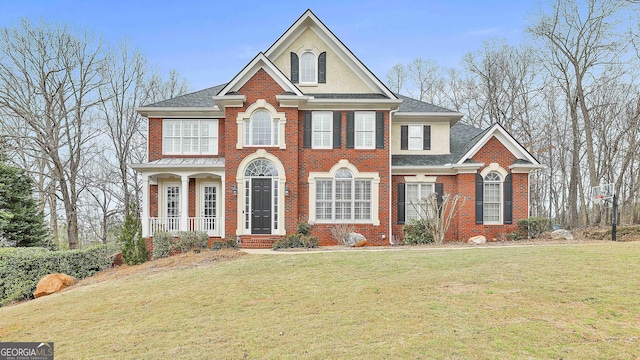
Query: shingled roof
[[413, 105], [201, 98]]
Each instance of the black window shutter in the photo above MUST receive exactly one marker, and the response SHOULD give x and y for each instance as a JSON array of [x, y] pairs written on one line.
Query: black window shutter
[[295, 68], [307, 130], [426, 137], [401, 203], [380, 130], [508, 199], [479, 199], [404, 137], [322, 68], [350, 130], [439, 192], [337, 129]]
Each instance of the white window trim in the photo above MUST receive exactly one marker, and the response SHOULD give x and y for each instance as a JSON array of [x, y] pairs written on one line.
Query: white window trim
[[408, 204], [355, 130], [313, 131], [315, 72], [243, 119], [374, 177], [421, 144], [181, 137], [499, 202]]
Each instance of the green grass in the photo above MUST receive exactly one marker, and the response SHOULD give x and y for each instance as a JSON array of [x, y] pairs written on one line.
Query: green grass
[[563, 301]]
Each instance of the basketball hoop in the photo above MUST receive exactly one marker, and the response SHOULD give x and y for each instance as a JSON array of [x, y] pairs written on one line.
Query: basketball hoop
[[602, 193]]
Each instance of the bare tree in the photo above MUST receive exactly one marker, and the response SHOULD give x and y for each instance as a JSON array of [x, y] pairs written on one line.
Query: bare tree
[[580, 41], [396, 77], [428, 80], [49, 78], [437, 216]]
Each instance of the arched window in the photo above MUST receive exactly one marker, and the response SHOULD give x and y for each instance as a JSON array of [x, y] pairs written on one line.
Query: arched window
[[261, 167], [492, 199], [308, 67], [261, 130]]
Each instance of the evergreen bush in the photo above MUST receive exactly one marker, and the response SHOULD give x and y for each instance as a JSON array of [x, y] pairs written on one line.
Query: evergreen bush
[[533, 227], [22, 268], [163, 244], [416, 233], [193, 240], [296, 241], [133, 247]]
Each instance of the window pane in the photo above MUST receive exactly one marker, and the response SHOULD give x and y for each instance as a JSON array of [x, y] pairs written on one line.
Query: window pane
[[364, 129], [308, 67], [261, 126]]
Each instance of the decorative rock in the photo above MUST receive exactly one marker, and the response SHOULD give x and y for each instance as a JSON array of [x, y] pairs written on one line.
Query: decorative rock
[[477, 240], [561, 234], [361, 243], [353, 238], [53, 283]]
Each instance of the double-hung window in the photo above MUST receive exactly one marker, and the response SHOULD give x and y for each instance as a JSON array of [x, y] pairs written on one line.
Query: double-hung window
[[415, 137], [365, 129], [492, 198], [416, 200], [343, 198], [322, 123], [261, 130], [190, 137]]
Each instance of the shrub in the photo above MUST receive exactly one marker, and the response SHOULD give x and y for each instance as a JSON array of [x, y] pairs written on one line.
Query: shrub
[[416, 233], [296, 241], [340, 231], [133, 247], [193, 240], [304, 228], [514, 236], [534, 226], [229, 244], [22, 268], [163, 244]]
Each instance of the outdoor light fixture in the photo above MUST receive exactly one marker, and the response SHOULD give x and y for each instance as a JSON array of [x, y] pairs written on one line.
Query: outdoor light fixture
[[234, 190], [286, 190]]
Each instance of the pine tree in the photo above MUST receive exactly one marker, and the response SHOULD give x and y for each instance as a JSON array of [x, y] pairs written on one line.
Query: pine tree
[[21, 221], [134, 250]]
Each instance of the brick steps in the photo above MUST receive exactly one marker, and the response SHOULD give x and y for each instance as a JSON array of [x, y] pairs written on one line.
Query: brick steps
[[257, 241]]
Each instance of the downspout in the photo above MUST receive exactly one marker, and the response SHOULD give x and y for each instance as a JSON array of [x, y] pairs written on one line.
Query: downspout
[[390, 235]]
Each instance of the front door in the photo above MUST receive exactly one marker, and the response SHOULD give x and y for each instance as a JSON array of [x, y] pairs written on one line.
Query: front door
[[261, 206]]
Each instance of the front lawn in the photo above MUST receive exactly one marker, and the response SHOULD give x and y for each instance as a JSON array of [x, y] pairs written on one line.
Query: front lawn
[[573, 301]]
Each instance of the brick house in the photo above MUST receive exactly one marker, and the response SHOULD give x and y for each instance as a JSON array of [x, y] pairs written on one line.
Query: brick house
[[305, 132]]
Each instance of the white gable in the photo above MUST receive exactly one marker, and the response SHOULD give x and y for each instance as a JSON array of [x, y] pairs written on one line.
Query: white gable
[[345, 72]]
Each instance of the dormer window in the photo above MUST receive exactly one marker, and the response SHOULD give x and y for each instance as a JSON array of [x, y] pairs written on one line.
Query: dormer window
[[309, 69]]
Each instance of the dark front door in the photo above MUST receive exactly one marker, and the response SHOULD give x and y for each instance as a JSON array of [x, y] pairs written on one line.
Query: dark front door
[[261, 206]]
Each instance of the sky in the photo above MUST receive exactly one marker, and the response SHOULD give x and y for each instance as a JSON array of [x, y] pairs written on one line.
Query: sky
[[209, 42]]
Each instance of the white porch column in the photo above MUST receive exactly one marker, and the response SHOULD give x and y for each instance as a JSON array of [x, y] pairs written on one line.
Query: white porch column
[[145, 206], [223, 205], [184, 204]]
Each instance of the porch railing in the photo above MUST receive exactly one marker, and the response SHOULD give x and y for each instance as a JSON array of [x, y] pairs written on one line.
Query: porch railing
[[210, 225]]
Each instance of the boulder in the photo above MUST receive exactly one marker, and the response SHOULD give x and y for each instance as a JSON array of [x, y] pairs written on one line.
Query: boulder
[[562, 234], [477, 240], [353, 238], [53, 283], [361, 243]]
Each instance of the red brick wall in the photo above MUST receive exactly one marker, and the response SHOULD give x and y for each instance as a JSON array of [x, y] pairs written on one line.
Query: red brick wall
[[192, 197], [261, 86], [464, 226], [153, 200], [155, 139], [374, 160]]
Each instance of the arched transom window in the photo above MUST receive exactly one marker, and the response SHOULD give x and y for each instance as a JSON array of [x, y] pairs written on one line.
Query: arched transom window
[[261, 167], [492, 198]]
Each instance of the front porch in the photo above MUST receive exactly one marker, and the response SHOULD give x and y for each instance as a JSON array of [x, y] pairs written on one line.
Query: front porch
[[183, 194]]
